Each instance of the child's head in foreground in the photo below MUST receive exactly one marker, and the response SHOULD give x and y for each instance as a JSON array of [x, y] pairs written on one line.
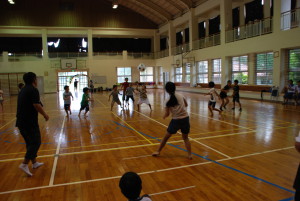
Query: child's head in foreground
[[131, 185]]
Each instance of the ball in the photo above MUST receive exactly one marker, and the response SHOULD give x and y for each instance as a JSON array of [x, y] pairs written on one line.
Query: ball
[[141, 67]]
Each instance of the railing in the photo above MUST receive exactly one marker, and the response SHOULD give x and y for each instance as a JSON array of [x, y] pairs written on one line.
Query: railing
[[181, 49], [67, 54], [108, 55], [250, 30], [162, 54], [31, 56], [290, 19], [140, 55], [209, 41]]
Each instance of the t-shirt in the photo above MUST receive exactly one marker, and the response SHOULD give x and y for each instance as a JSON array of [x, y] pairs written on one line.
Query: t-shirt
[[143, 93], [178, 111], [75, 83], [129, 91], [298, 89], [27, 115], [236, 90], [213, 95], [67, 97], [226, 88], [85, 99], [291, 88], [125, 85], [115, 95], [143, 198]]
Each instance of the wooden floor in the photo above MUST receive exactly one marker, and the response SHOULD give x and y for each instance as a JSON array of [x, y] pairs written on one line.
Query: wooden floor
[[246, 155]]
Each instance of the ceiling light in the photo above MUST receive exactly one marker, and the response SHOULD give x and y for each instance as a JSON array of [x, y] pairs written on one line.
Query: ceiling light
[[115, 4], [11, 2]]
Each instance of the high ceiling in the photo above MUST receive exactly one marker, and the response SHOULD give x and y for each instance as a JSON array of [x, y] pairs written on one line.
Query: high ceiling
[[159, 11]]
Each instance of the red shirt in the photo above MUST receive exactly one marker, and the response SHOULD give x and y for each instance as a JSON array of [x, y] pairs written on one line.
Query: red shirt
[[125, 85]]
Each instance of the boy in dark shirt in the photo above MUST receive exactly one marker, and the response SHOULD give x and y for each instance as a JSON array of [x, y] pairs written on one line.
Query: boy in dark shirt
[[236, 95], [223, 95], [85, 101]]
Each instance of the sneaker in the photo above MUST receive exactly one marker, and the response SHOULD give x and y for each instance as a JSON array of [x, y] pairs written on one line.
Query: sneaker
[[36, 165], [25, 169]]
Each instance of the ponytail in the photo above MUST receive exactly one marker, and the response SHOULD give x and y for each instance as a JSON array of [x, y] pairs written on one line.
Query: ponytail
[[170, 88]]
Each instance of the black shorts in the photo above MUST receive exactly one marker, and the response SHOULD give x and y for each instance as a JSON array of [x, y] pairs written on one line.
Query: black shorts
[[297, 180], [32, 137], [67, 106], [86, 107], [289, 95], [236, 98], [223, 95], [123, 97], [127, 98], [182, 124], [211, 103]]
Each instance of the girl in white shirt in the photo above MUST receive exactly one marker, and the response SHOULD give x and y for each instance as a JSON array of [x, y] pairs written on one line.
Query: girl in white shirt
[[176, 105], [213, 98]]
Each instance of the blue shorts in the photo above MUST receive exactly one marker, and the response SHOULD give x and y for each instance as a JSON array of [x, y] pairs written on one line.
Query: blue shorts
[[182, 124], [86, 107], [67, 106]]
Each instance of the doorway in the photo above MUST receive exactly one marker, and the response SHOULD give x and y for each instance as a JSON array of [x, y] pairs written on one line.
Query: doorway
[[68, 77]]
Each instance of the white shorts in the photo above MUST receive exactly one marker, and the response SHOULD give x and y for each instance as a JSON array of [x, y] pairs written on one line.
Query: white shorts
[[141, 101]]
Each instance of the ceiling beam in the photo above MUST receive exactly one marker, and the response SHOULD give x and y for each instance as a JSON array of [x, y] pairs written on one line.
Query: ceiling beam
[[156, 8], [188, 3], [176, 5]]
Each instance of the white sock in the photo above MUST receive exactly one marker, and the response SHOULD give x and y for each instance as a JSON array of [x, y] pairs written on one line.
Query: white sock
[[25, 169], [37, 164]]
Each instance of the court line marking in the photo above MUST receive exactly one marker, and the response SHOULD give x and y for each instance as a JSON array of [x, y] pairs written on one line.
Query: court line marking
[[141, 173], [7, 123], [132, 128], [189, 137], [221, 121], [178, 189], [56, 154], [125, 137], [144, 156]]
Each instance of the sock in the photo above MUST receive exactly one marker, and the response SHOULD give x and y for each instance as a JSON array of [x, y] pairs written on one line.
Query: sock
[[36, 165], [25, 169]]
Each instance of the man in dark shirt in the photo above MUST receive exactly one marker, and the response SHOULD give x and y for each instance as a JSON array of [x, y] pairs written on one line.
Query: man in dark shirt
[[236, 95], [29, 105], [75, 84]]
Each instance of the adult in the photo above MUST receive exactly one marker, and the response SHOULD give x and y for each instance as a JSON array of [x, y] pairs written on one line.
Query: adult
[[28, 107], [297, 179], [289, 92], [75, 84], [124, 86], [92, 86]]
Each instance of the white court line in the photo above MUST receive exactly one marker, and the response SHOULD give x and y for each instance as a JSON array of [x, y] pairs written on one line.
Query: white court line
[[211, 148], [189, 137], [141, 173], [124, 137], [136, 157], [178, 189], [222, 121], [56, 154]]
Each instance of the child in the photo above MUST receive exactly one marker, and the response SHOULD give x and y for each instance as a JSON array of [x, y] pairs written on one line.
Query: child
[[297, 95], [143, 97], [236, 95], [223, 95], [289, 92], [1, 99], [85, 101], [131, 187], [115, 95], [129, 94], [213, 97], [67, 100], [176, 105]]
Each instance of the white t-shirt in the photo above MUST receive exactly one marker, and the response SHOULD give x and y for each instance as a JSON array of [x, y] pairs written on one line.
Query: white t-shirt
[[298, 89], [178, 111], [291, 89], [213, 95]]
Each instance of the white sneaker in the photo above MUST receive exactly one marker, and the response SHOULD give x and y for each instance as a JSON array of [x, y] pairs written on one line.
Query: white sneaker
[[25, 169], [36, 165]]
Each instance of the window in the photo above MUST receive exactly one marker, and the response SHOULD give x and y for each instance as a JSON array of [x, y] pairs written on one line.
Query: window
[[294, 65], [216, 71], [122, 73], [146, 75], [202, 72], [178, 74], [264, 68], [160, 78], [240, 69], [188, 72]]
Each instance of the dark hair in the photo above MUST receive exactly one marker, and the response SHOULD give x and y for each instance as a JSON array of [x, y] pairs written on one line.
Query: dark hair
[[170, 88], [85, 89], [126, 78], [65, 87], [211, 84], [29, 78], [236, 81], [114, 86], [20, 85], [131, 185], [228, 81]]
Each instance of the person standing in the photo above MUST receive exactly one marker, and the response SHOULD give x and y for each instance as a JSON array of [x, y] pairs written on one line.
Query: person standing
[[28, 107], [75, 85], [124, 87]]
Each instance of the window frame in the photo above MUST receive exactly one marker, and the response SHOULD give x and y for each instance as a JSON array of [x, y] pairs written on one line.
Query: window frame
[[129, 76], [268, 72], [202, 73], [240, 69], [147, 75], [177, 75], [216, 72]]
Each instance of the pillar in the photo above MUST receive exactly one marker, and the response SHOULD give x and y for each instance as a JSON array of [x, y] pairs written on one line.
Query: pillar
[[90, 44], [172, 38], [45, 44], [193, 26], [226, 18]]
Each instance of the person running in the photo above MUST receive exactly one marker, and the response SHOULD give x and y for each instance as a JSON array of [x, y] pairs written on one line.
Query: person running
[[75, 84], [213, 98], [224, 96], [129, 94], [124, 87], [176, 105], [143, 97], [236, 95], [67, 100], [85, 102], [115, 99]]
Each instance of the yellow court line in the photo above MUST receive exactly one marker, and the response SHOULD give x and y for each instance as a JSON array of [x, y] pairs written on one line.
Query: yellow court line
[[132, 128], [7, 123]]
